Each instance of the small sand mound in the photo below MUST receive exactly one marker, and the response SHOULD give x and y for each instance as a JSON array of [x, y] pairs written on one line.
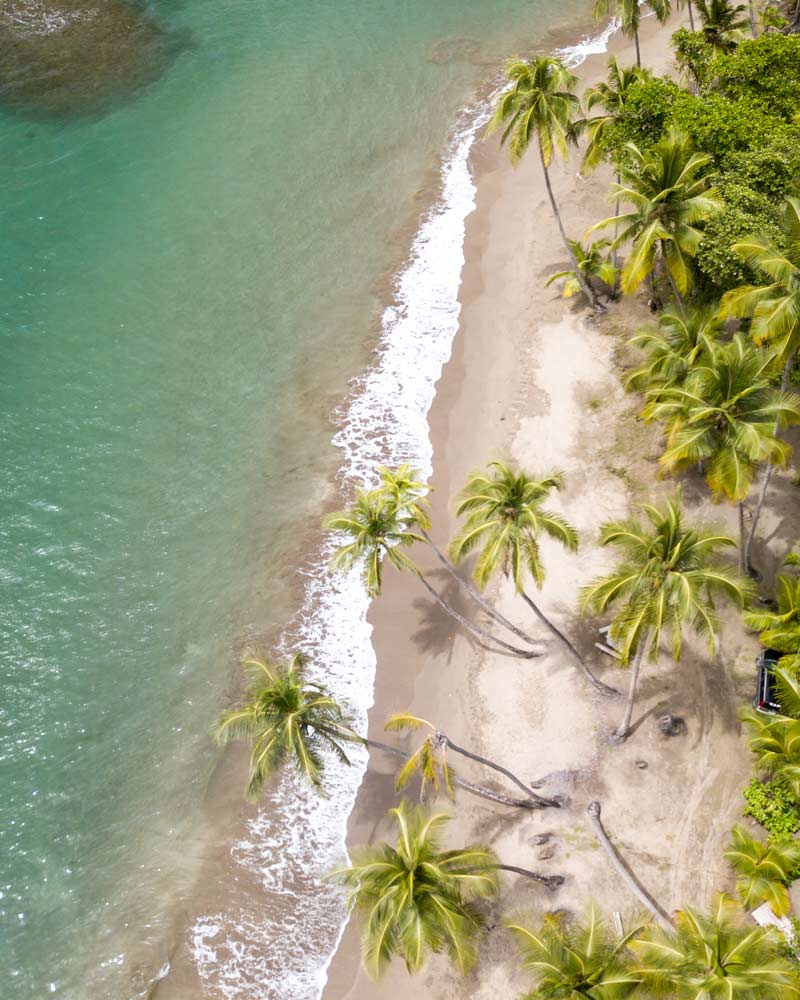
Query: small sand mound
[[74, 56]]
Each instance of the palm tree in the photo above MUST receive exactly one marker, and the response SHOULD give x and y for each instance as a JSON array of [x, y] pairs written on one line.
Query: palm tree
[[541, 101], [287, 720], [682, 340], [715, 955], [763, 870], [611, 95], [628, 13], [377, 528], [430, 762], [505, 519], [670, 194], [722, 24], [403, 486], [576, 960], [593, 265], [726, 417], [780, 629], [680, 4], [776, 743], [668, 579], [774, 308], [417, 899]]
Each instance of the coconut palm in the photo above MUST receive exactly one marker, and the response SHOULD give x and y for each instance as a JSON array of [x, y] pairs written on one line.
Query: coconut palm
[[776, 743], [763, 870], [541, 102], [668, 579], [429, 762], [726, 417], [780, 629], [774, 307], [505, 519], [682, 339], [287, 719], [715, 955], [628, 13], [377, 528], [680, 4], [577, 959], [611, 96], [417, 899], [669, 190], [404, 487], [722, 24], [593, 266]]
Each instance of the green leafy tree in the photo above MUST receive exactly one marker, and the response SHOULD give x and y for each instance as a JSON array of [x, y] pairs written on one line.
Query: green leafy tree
[[540, 102], [726, 417], [378, 529], [763, 870], [681, 340], [287, 720], [577, 959], [765, 69], [669, 578], [416, 899], [593, 266], [694, 56], [715, 955], [628, 13], [429, 761], [505, 519], [780, 629], [723, 24], [670, 194]]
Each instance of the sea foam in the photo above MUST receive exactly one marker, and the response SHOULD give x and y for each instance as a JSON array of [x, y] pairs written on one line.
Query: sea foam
[[293, 842]]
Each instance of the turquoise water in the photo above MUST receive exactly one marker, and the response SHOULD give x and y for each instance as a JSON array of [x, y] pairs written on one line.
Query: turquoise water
[[188, 283]]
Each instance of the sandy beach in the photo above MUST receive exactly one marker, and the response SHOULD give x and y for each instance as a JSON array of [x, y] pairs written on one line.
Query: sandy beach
[[537, 379]]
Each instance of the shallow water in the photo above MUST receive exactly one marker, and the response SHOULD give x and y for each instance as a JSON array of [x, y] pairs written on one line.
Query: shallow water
[[188, 283]]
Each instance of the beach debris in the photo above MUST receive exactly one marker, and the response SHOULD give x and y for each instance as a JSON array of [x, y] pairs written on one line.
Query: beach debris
[[546, 853], [541, 838], [671, 725], [642, 765]]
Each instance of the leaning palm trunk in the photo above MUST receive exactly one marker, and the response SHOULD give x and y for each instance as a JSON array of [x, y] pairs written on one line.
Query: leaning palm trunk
[[636, 44], [742, 541], [746, 564], [474, 594], [625, 726], [691, 15], [532, 802], [604, 689], [538, 799], [752, 7], [472, 627], [554, 205], [551, 881], [593, 809]]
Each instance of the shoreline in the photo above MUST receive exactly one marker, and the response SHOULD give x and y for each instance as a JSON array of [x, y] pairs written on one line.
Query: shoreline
[[493, 399]]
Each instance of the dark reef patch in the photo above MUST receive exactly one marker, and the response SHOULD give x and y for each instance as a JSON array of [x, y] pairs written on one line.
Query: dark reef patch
[[74, 57]]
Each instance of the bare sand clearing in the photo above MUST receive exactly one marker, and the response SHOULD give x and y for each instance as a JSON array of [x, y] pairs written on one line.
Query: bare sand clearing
[[538, 380]]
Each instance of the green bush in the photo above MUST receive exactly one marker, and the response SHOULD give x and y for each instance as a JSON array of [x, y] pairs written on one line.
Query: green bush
[[772, 166], [765, 70], [647, 115], [723, 127], [771, 804], [693, 55]]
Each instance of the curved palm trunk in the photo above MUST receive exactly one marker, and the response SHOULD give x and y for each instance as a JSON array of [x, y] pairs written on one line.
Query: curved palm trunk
[[625, 726], [742, 545], [468, 786], [477, 630], [553, 204], [746, 564], [604, 689], [691, 15], [551, 881], [538, 799], [636, 43], [627, 876], [474, 594], [614, 248], [752, 7]]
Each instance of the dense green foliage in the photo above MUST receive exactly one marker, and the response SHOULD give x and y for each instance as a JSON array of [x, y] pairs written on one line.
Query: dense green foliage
[[772, 804]]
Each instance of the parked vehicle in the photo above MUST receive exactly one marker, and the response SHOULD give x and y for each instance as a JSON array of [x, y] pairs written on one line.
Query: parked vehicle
[[766, 699]]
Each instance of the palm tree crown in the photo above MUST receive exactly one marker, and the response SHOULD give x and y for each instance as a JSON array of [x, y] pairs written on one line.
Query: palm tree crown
[[417, 899], [287, 719], [667, 580], [628, 13], [764, 870], [774, 307], [723, 25], [576, 961], [781, 629], [715, 956], [669, 190], [505, 518], [726, 415], [611, 96], [683, 338]]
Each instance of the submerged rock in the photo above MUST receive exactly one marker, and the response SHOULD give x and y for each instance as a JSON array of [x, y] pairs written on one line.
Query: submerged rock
[[74, 56]]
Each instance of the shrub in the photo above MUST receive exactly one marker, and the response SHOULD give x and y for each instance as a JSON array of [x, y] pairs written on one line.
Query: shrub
[[648, 110], [693, 55], [723, 127], [771, 804], [765, 70], [772, 166]]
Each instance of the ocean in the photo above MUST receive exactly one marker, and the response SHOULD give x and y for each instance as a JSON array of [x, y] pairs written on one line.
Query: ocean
[[225, 297]]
